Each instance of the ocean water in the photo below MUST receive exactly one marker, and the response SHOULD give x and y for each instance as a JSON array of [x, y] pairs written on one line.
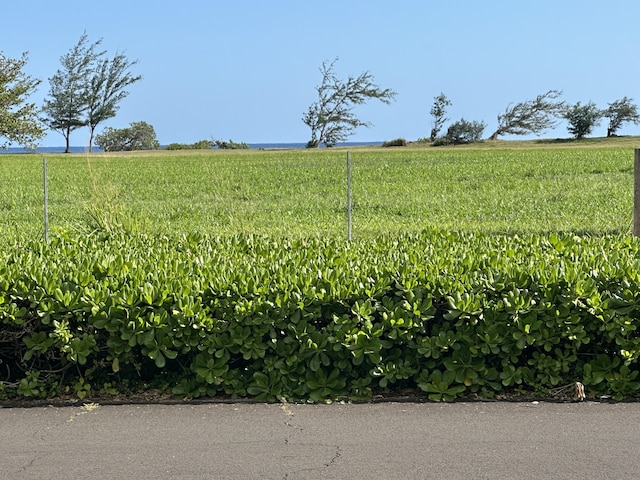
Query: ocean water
[[251, 145]]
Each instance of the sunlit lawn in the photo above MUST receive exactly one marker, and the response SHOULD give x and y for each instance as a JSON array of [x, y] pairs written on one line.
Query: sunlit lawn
[[493, 187]]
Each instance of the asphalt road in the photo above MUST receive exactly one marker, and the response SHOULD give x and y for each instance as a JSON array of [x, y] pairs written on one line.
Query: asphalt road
[[493, 440]]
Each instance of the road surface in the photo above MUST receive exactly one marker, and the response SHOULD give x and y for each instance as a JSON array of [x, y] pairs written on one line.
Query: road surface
[[478, 440]]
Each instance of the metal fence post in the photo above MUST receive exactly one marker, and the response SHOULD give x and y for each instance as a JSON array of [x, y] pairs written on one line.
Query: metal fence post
[[46, 200], [636, 193], [349, 196]]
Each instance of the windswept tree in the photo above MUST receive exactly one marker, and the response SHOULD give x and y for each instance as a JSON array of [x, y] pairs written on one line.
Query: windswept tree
[[438, 112], [18, 118], [68, 101], [582, 119], [533, 116], [620, 112], [107, 87], [138, 136], [331, 118]]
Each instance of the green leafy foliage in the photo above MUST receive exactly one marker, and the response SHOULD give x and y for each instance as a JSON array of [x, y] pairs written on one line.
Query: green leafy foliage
[[582, 119], [463, 131], [441, 386], [18, 118], [230, 145], [199, 145], [397, 142], [447, 313], [137, 136]]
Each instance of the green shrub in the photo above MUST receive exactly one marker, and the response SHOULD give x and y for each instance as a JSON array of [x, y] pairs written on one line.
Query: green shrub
[[138, 136], [200, 145], [230, 145], [462, 132], [398, 142], [450, 314], [177, 146]]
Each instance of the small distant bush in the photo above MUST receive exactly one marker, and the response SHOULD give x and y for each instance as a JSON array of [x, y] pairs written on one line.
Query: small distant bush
[[177, 146], [462, 132], [230, 145], [201, 145], [398, 142]]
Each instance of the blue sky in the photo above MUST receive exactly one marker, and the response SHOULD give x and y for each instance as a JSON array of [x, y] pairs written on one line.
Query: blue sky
[[246, 70]]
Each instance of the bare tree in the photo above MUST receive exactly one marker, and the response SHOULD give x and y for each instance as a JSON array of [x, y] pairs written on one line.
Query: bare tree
[[533, 116], [331, 117]]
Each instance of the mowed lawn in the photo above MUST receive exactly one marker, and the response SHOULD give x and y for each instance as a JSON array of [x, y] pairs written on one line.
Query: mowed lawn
[[497, 187]]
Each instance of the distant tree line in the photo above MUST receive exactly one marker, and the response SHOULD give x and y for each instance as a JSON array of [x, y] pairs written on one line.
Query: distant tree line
[[208, 145], [88, 88], [534, 117]]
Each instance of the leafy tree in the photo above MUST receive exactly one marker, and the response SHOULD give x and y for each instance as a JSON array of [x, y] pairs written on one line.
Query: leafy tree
[[69, 92], [464, 131], [532, 116], [619, 112], [582, 119], [107, 88], [331, 117], [18, 119], [138, 136], [438, 112]]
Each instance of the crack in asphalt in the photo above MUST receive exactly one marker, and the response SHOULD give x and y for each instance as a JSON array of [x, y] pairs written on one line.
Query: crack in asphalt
[[290, 423], [43, 433], [335, 458], [28, 465]]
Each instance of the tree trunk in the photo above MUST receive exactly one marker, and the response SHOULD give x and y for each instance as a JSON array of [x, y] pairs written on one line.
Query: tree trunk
[[321, 136], [92, 129], [67, 136]]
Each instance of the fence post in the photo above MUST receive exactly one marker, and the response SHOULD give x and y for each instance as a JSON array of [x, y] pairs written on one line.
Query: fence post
[[46, 200], [636, 193], [349, 196]]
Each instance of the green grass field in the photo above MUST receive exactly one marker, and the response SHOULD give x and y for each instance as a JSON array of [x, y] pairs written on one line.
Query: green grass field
[[497, 187]]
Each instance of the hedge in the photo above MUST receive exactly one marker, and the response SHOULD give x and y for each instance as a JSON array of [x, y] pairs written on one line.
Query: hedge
[[452, 315]]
